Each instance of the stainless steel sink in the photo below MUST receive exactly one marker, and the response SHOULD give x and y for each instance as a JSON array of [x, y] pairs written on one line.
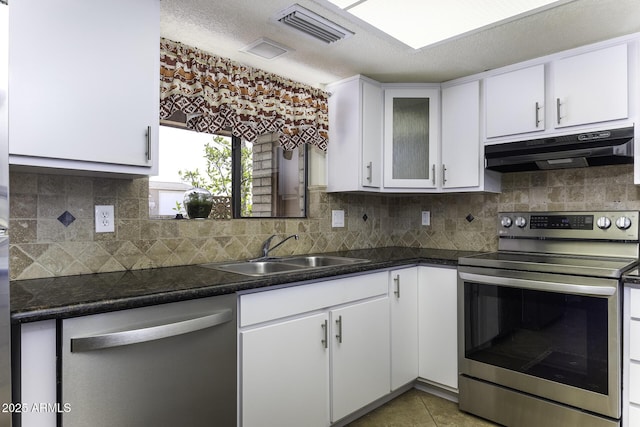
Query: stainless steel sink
[[321, 260], [284, 265]]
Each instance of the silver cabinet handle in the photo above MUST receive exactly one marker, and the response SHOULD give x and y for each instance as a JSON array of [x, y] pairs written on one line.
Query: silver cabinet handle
[[149, 143], [339, 325], [397, 282], [325, 342], [433, 174], [369, 171], [558, 109], [444, 174], [537, 114], [136, 336]]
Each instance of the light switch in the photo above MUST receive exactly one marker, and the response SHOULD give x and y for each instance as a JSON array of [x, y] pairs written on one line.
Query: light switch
[[426, 217], [337, 218]]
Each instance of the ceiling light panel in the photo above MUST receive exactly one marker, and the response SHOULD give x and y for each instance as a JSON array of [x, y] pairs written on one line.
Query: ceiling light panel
[[419, 23]]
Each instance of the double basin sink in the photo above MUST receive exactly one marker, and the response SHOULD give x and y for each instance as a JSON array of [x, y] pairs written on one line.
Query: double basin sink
[[285, 264]]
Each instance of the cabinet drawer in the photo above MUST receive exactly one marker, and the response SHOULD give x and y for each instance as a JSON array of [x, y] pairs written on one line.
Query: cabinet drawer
[[634, 303], [634, 383], [269, 305]]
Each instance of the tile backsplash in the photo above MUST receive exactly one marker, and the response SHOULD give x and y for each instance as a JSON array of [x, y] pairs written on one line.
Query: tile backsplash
[[43, 246]]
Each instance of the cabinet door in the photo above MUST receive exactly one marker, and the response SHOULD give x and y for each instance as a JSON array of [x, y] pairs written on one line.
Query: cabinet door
[[371, 174], [285, 374], [360, 356], [354, 157], [403, 296], [84, 86], [438, 325], [514, 102], [411, 137], [592, 87], [461, 155]]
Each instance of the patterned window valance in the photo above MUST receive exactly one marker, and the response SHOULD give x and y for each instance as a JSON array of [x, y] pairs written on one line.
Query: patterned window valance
[[216, 93]]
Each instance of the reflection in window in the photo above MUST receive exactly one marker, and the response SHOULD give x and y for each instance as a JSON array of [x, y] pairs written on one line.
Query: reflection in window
[[278, 178]]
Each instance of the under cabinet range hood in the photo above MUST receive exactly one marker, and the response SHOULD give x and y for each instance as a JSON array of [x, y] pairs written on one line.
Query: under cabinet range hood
[[598, 148]]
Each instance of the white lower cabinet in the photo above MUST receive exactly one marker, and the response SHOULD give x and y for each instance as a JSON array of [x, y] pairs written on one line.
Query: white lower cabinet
[[37, 373], [403, 299], [631, 358], [438, 326], [312, 354], [285, 373]]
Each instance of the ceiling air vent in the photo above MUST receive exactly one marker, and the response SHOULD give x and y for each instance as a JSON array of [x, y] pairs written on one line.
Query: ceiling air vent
[[312, 24]]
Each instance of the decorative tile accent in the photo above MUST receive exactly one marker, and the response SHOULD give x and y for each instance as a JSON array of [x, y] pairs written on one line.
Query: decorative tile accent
[[66, 218]]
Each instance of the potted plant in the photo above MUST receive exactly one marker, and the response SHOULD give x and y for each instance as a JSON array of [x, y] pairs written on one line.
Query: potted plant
[[198, 203], [178, 209]]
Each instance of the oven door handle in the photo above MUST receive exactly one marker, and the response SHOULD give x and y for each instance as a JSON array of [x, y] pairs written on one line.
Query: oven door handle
[[539, 285]]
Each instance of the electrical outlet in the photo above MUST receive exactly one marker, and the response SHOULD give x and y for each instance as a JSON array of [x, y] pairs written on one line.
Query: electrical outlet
[[337, 218], [105, 219], [426, 217]]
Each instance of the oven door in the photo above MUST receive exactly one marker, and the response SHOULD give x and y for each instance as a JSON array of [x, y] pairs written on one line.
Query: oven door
[[549, 335]]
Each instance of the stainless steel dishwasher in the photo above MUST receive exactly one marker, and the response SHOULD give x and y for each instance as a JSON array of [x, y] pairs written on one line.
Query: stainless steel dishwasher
[[165, 365]]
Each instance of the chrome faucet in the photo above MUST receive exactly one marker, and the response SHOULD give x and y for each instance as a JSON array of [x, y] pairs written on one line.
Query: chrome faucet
[[266, 246]]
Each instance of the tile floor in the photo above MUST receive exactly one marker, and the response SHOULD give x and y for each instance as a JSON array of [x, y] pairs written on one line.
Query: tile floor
[[416, 408]]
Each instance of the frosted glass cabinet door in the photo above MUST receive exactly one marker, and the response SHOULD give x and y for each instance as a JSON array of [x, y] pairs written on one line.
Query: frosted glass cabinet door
[[411, 137]]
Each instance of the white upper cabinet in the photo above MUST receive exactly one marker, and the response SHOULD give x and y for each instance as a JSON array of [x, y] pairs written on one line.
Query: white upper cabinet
[[591, 87], [514, 102], [354, 154], [411, 137], [462, 167], [563, 93], [85, 85]]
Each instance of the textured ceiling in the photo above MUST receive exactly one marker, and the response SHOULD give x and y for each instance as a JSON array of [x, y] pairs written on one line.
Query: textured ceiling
[[224, 27]]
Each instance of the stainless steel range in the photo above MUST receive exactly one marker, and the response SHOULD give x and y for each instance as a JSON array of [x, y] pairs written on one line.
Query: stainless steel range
[[539, 320]]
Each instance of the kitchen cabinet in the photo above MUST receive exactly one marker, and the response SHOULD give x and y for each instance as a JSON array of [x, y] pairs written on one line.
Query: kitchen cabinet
[[84, 86], [403, 298], [285, 373], [565, 90], [591, 87], [411, 136], [354, 156], [38, 369], [462, 167], [360, 355], [323, 346], [437, 326], [514, 102], [631, 358]]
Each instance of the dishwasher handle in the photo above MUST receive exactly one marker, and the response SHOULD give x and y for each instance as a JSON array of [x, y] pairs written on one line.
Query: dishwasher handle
[[136, 336]]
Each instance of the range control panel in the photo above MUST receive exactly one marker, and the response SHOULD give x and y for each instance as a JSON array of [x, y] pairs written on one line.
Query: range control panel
[[607, 225]]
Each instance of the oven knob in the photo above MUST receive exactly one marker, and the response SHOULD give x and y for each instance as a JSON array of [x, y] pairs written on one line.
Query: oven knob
[[505, 221], [603, 223], [521, 222], [623, 223]]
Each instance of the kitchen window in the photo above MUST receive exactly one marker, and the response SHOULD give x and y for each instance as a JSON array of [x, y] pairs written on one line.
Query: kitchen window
[[259, 179]]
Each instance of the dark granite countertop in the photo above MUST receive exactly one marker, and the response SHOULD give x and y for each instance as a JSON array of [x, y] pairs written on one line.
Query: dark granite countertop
[[70, 296]]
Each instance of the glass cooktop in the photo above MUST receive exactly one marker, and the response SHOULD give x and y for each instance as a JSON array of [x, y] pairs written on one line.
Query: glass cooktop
[[563, 264]]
